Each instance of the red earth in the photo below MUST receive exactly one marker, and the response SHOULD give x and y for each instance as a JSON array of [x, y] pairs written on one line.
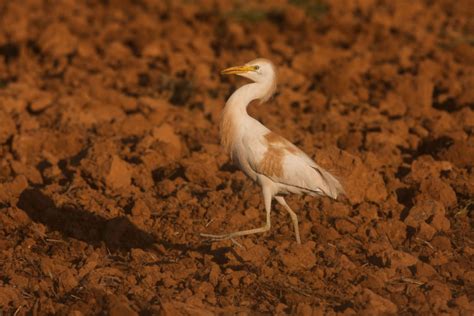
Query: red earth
[[110, 164]]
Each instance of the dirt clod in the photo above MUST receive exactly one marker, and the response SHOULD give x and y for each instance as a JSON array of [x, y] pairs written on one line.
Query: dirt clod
[[110, 163]]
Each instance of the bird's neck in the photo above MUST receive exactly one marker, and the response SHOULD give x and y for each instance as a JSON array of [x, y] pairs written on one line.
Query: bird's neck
[[242, 97], [235, 113]]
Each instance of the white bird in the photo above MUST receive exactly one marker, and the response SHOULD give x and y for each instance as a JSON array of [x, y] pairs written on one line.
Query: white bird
[[277, 165]]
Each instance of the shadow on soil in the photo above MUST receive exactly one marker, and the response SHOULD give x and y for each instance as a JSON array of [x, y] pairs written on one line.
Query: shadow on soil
[[117, 233]]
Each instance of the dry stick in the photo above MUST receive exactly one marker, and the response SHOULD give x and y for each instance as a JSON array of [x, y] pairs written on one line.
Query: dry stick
[[236, 243], [407, 280], [389, 240], [40, 234], [427, 243], [351, 220], [412, 281], [34, 265], [55, 240], [299, 291], [209, 223], [18, 310], [35, 307]]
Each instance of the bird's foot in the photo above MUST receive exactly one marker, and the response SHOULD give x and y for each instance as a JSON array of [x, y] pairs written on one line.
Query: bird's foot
[[222, 237], [217, 237]]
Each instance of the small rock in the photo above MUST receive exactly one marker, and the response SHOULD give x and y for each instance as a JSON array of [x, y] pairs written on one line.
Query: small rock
[[393, 105], [153, 49], [373, 282], [463, 302], [91, 262], [395, 230], [7, 127], [135, 125], [41, 103], [460, 154], [469, 251], [294, 16], [57, 40], [202, 168], [438, 296], [12, 105], [442, 242], [119, 306], [469, 276], [301, 257], [254, 253], [120, 173], [171, 308], [165, 133], [214, 274], [67, 280], [440, 222], [402, 259], [376, 304], [360, 182], [10, 191], [303, 309], [440, 191], [425, 167], [422, 211], [30, 172], [424, 271], [8, 294], [236, 33], [426, 231], [368, 211], [140, 209], [344, 226]]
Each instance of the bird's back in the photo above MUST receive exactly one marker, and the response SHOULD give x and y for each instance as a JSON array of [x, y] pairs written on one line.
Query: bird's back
[[273, 156]]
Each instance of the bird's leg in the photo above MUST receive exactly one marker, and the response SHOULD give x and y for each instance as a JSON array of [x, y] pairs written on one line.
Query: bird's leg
[[294, 218], [267, 196]]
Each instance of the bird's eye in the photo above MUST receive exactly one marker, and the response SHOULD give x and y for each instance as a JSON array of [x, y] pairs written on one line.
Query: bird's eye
[[257, 67]]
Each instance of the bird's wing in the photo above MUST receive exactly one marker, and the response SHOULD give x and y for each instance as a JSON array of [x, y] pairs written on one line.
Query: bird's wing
[[284, 163]]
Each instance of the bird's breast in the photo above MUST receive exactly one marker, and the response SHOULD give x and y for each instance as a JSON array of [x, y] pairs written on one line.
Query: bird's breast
[[228, 132]]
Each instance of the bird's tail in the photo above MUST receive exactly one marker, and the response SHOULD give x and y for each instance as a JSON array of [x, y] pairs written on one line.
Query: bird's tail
[[333, 187]]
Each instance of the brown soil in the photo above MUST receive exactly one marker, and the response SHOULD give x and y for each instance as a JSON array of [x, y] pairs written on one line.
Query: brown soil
[[110, 165]]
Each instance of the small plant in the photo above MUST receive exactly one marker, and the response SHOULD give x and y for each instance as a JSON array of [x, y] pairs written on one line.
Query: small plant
[[313, 8], [249, 15]]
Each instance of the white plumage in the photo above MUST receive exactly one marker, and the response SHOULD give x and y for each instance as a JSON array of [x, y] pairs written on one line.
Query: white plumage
[[277, 165]]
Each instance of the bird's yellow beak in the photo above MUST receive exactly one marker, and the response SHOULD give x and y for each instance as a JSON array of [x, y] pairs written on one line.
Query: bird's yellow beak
[[238, 70]]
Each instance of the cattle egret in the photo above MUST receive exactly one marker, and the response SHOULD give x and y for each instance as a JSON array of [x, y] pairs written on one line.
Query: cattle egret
[[277, 165]]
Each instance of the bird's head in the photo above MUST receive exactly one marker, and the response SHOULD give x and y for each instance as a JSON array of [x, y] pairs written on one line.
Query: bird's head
[[261, 71]]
